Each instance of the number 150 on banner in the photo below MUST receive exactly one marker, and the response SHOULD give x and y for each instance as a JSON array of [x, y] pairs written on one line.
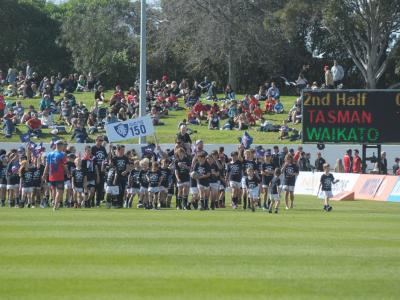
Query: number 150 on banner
[[129, 129]]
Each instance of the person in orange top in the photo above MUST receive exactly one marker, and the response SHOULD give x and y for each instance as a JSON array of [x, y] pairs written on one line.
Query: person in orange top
[[298, 154], [348, 162], [357, 164]]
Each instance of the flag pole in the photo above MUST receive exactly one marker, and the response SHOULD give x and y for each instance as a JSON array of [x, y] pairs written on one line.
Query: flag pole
[[143, 59]]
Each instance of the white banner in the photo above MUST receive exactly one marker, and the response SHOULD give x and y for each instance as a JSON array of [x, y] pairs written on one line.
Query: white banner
[[129, 129], [307, 183]]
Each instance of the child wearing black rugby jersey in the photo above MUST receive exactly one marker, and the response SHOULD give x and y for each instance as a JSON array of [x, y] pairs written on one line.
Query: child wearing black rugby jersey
[[202, 173], [133, 186], [248, 162], [154, 178], [167, 174], [234, 172], [182, 174], [267, 173], [37, 180], [214, 180], [252, 188], [274, 191], [325, 185], [3, 180], [290, 170], [143, 182], [26, 176], [79, 182]]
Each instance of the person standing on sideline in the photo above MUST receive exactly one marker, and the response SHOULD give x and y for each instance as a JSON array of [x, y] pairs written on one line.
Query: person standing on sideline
[[319, 163], [348, 161], [357, 165], [56, 168], [337, 74], [396, 165], [328, 78], [383, 163]]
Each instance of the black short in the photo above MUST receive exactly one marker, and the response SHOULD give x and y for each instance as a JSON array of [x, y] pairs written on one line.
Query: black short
[[59, 185], [171, 190]]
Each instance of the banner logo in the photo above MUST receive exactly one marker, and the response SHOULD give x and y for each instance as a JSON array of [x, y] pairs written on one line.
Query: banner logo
[[122, 130]]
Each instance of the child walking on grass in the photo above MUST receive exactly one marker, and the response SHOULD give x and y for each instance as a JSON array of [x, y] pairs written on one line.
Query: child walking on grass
[[325, 185], [274, 191]]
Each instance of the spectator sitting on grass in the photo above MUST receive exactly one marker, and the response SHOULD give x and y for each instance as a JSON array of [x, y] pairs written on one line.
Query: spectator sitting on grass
[[241, 121], [192, 99], [174, 89], [45, 103], [273, 92], [229, 125], [212, 92], [213, 121], [111, 118], [66, 112], [284, 131], [99, 95], [47, 119], [19, 111], [81, 84], [79, 132], [8, 124], [262, 93], [155, 117], [34, 126], [28, 114], [192, 119], [233, 110], [2, 104], [229, 93]]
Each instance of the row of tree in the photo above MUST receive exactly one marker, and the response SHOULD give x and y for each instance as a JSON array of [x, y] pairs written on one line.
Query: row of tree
[[243, 42]]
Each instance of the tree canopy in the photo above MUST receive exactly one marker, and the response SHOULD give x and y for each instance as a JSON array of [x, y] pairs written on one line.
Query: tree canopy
[[242, 42]]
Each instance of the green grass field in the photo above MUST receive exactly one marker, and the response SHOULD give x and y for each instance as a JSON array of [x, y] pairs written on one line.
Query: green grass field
[[351, 253], [166, 134]]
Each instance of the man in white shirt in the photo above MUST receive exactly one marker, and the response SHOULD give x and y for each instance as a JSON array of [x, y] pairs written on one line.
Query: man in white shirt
[[337, 73]]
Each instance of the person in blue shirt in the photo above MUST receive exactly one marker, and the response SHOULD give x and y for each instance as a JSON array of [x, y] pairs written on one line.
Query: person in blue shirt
[[45, 103], [273, 91]]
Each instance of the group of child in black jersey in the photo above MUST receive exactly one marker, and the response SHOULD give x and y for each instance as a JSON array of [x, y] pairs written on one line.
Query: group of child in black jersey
[[254, 180]]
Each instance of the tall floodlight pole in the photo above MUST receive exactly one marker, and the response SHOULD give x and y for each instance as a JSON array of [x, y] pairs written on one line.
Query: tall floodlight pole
[[143, 49]]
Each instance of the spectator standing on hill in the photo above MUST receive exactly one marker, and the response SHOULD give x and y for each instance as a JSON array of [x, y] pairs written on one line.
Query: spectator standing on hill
[[348, 161], [337, 74], [328, 78], [319, 163], [357, 164]]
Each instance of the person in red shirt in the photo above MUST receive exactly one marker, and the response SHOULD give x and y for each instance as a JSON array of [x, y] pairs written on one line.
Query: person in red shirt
[[56, 170], [357, 164], [298, 154], [348, 162], [34, 126]]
